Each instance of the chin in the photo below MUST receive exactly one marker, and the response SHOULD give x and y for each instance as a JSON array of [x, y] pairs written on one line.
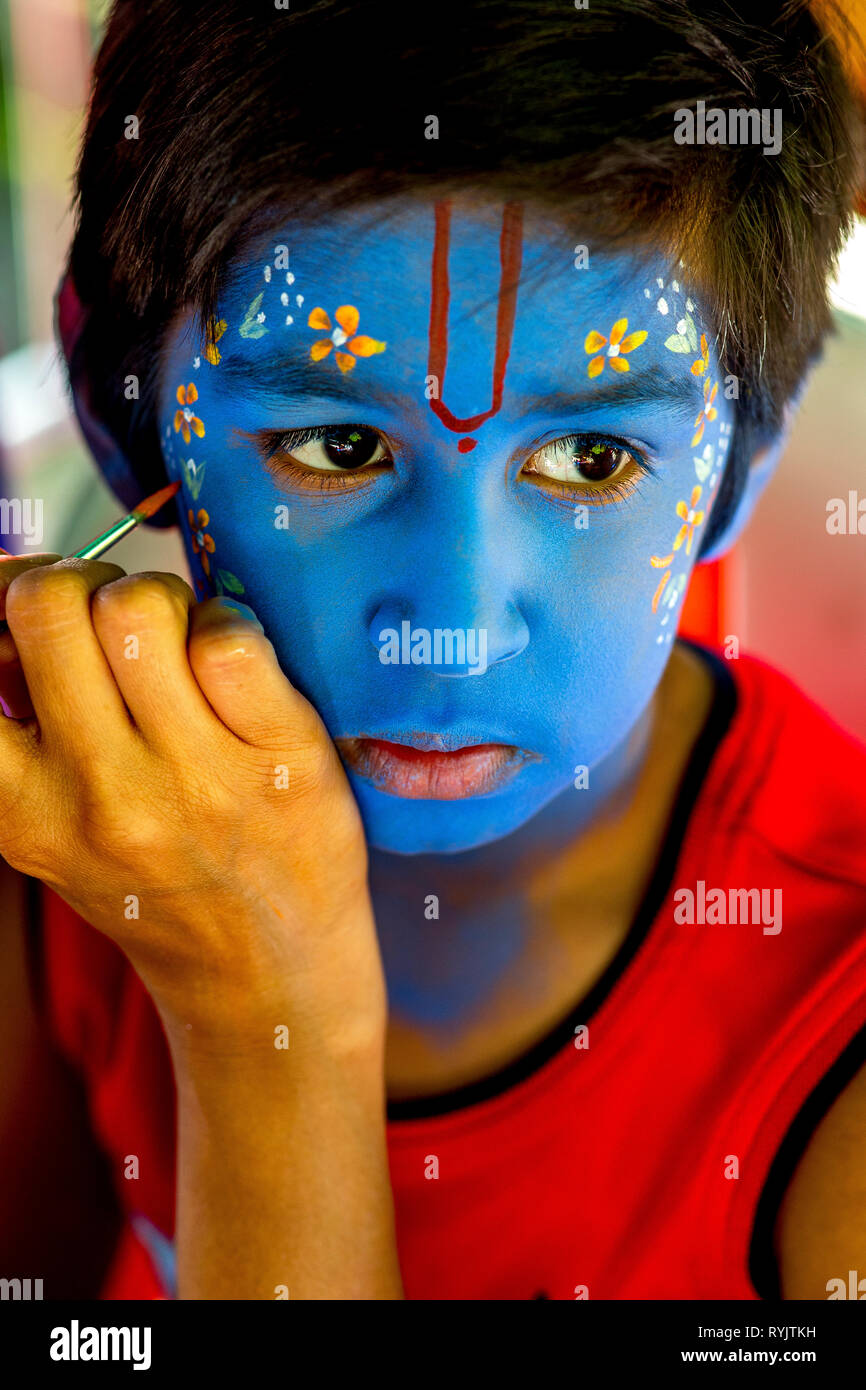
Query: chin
[[401, 825]]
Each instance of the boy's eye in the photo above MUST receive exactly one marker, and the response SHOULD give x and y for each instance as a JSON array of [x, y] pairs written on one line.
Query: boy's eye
[[351, 456], [331, 449], [580, 461]]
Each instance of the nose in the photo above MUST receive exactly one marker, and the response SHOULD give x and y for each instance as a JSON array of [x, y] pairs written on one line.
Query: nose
[[452, 609], [405, 636]]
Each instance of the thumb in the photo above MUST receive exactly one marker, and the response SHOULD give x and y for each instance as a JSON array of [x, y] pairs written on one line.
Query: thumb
[[239, 675]]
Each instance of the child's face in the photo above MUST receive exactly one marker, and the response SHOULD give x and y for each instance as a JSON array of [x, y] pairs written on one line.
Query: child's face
[[498, 489]]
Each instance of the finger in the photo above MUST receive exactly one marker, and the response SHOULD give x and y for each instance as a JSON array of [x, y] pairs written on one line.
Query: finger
[[13, 565], [19, 745], [238, 672], [14, 696], [142, 623], [73, 692]]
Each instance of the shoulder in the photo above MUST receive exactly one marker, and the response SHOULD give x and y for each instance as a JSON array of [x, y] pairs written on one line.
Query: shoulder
[[793, 777], [821, 1225], [791, 786]]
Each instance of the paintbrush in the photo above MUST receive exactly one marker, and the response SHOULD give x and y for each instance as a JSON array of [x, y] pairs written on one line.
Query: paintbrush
[[98, 546]]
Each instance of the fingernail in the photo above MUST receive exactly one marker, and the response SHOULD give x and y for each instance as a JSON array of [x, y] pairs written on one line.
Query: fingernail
[[242, 611]]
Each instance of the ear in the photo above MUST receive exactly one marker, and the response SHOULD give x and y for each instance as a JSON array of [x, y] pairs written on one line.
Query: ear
[[761, 470], [70, 317]]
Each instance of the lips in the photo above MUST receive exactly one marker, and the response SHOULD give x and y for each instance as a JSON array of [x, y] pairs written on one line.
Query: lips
[[432, 773]]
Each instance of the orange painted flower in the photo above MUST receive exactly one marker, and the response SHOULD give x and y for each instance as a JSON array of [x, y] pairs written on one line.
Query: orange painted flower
[[184, 420], [616, 346], [202, 543], [708, 412], [345, 332], [214, 333], [699, 367], [661, 562], [690, 518]]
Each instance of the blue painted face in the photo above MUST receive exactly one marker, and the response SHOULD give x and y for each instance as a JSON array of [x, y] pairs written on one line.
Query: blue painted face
[[461, 471]]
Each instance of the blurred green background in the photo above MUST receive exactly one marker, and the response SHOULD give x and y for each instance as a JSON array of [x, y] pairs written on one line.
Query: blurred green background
[[46, 51]]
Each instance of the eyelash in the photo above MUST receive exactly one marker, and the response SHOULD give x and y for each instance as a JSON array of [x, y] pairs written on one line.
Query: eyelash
[[596, 494], [275, 449]]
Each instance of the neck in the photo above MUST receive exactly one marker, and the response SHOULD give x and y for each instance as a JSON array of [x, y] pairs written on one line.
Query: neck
[[452, 926]]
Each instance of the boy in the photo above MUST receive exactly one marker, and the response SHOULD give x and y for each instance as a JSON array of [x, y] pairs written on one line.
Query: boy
[[472, 978]]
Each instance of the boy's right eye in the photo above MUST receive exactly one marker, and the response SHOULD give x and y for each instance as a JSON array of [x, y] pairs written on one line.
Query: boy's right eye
[[325, 449]]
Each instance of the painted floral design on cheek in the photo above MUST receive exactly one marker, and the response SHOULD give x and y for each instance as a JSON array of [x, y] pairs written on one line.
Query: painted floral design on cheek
[[202, 544], [704, 464], [703, 362], [346, 332], [674, 304], [252, 324], [215, 330], [708, 411], [690, 518], [193, 476], [617, 345], [661, 562], [184, 419], [670, 604]]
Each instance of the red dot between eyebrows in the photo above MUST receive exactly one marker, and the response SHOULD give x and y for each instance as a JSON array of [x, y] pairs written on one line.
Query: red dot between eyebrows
[[466, 445]]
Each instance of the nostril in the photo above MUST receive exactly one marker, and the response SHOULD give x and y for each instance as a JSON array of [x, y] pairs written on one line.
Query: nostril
[[388, 617], [452, 651]]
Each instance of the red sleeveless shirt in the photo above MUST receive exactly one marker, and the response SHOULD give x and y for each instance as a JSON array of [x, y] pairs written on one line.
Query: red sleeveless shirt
[[641, 1149]]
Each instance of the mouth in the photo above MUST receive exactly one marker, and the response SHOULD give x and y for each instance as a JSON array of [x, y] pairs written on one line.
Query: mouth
[[424, 773]]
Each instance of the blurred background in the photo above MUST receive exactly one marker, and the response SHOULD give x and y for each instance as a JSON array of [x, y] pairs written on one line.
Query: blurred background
[[791, 591]]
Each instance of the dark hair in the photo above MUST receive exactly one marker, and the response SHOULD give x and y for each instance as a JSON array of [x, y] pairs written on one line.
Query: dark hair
[[246, 109]]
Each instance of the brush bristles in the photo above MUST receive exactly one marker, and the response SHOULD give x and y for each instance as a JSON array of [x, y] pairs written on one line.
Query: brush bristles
[[152, 504]]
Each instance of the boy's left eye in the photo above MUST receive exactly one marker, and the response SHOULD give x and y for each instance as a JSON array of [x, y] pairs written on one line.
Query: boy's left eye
[[580, 461]]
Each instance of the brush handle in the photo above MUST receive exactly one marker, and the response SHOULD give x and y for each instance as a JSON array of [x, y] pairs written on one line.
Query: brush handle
[[97, 547], [93, 549]]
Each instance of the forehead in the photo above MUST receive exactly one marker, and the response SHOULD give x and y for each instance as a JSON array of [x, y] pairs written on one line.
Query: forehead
[[508, 301]]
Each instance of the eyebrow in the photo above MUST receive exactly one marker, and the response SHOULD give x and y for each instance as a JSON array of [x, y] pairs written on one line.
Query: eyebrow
[[654, 386], [277, 378]]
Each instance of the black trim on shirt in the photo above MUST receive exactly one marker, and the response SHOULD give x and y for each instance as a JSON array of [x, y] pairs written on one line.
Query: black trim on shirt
[[718, 720], [763, 1266]]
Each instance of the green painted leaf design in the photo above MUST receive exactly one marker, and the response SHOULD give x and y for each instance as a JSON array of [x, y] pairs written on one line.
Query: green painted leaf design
[[229, 581], [684, 342], [704, 464], [193, 476], [250, 327]]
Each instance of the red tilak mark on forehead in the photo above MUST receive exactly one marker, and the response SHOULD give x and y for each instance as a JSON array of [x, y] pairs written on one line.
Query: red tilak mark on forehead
[[465, 446], [510, 255]]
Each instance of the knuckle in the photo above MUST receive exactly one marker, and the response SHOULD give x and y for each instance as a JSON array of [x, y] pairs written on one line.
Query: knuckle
[[140, 597], [311, 760], [12, 566], [119, 830], [55, 591], [172, 582], [225, 646], [46, 592]]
